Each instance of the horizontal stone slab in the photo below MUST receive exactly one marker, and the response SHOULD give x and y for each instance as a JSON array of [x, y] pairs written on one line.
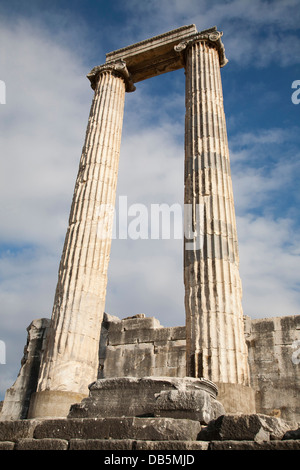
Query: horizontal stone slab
[[145, 335], [153, 56], [17, 429], [42, 444], [102, 444], [130, 444], [171, 445], [252, 445], [7, 445], [134, 323], [118, 428]]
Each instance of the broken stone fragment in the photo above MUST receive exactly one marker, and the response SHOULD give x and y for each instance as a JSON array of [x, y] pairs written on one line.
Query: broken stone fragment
[[254, 427], [131, 396], [189, 404]]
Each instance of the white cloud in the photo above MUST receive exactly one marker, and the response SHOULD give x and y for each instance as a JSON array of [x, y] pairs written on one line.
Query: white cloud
[[268, 237], [256, 32], [269, 266], [43, 125], [42, 131]]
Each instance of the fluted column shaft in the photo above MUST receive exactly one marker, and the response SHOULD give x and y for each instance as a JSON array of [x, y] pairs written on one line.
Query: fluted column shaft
[[216, 347], [71, 357]]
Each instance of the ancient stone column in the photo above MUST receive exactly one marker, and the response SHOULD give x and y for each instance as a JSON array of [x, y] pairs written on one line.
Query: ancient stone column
[[70, 360], [216, 347]]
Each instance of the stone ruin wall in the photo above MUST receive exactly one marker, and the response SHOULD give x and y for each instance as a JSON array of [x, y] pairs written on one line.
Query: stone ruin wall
[[139, 347], [274, 359]]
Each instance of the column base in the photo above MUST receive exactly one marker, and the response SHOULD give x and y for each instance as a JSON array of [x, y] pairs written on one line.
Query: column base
[[236, 398], [167, 397], [52, 403]]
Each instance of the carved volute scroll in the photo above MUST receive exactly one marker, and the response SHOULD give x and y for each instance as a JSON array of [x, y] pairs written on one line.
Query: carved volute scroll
[[118, 67], [212, 36]]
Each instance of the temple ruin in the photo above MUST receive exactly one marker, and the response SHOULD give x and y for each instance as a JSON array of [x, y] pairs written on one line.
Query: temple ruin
[[85, 363]]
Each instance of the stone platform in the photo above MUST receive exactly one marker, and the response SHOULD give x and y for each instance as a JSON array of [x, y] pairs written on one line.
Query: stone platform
[[244, 432], [168, 397]]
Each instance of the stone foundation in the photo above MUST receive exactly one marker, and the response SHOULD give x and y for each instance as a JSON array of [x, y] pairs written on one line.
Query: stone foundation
[[246, 432]]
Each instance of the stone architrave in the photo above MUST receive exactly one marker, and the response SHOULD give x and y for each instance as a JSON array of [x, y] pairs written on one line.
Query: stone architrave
[[70, 360], [216, 347]]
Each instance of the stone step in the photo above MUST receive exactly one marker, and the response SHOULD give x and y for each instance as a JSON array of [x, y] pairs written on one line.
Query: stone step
[[160, 429], [144, 445]]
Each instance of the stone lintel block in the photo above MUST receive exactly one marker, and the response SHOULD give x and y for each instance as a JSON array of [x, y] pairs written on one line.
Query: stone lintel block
[[119, 428], [153, 56]]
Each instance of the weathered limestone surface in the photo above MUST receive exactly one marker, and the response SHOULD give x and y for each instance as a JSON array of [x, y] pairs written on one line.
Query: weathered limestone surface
[[216, 346], [253, 445], [116, 428], [41, 444], [150, 396], [13, 430], [70, 359], [140, 347], [153, 56], [17, 397], [190, 404], [254, 427], [252, 432], [274, 376], [275, 365]]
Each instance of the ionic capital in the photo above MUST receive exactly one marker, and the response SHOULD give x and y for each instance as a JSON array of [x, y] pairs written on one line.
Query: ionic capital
[[209, 35], [118, 68]]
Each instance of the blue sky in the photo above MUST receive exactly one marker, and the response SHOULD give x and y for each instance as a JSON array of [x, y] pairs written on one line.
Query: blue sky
[[46, 50]]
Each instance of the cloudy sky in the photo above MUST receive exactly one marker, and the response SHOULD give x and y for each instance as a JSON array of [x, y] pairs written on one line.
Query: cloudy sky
[[46, 50]]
